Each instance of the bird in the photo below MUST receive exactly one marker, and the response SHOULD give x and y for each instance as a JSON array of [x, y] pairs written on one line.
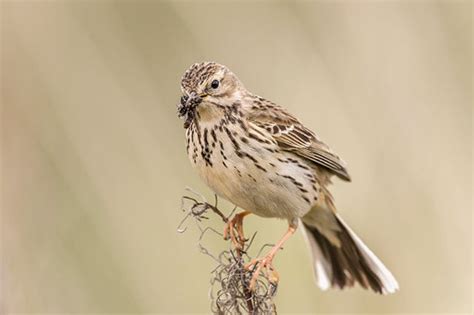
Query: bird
[[255, 154]]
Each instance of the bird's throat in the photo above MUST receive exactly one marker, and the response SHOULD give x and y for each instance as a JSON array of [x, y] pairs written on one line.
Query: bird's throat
[[209, 113]]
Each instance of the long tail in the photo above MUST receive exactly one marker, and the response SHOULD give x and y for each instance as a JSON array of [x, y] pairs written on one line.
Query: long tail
[[341, 258]]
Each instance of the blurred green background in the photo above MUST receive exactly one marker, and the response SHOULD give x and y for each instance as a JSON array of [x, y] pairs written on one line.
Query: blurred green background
[[94, 163]]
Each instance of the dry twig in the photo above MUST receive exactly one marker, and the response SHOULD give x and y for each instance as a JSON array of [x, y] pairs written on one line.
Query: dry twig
[[229, 292]]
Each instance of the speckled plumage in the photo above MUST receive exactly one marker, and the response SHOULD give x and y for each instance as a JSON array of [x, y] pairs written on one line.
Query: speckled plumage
[[255, 154]]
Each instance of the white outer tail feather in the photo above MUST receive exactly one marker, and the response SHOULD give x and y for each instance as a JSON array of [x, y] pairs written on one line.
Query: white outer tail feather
[[390, 284], [323, 270]]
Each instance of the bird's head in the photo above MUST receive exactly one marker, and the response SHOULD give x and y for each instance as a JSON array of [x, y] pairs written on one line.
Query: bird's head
[[208, 87]]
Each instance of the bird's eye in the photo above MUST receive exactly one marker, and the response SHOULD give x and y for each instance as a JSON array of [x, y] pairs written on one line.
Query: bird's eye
[[215, 84]]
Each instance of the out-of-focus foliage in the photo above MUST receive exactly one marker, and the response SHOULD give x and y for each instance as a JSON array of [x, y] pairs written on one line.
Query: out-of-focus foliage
[[94, 163]]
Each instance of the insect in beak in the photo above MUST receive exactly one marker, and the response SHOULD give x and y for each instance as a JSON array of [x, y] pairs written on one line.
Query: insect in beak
[[194, 100], [187, 106]]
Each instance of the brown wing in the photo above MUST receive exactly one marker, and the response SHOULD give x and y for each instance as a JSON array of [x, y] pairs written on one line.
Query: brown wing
[[292, 136]]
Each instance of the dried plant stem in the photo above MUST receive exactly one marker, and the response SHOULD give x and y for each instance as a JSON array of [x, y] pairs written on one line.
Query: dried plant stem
[[230, 292]]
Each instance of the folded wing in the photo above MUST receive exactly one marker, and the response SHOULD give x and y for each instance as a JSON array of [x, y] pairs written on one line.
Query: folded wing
[[292, 136]]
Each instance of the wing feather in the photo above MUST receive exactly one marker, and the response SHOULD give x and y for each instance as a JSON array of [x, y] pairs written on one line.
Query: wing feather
[[292, 136]]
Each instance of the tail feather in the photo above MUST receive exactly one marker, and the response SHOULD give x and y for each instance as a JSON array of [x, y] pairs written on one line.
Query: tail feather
[[350, 261], [390, 284]]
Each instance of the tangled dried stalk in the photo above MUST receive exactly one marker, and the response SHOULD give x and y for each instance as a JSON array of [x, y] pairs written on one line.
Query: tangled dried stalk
[[229, 292]]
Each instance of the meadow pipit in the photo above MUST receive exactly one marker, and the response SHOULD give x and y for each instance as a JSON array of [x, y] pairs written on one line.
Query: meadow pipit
[[258, 156]]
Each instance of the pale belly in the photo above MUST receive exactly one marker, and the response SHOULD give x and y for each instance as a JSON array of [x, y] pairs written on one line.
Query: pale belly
[[269, 184]]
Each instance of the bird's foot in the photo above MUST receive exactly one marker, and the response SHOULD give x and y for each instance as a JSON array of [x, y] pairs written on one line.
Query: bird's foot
[[235, 231], [264, 265]]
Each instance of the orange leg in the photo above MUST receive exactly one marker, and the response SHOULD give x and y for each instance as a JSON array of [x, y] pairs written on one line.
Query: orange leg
[[236, 225], [265, 263]]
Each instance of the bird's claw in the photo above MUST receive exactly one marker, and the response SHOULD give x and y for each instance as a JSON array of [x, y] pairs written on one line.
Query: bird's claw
[[262, 264], [234, 231]]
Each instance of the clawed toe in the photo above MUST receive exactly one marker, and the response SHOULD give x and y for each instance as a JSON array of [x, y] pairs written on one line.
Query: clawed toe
[[229, 233], [234, 230], [262, 265]]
